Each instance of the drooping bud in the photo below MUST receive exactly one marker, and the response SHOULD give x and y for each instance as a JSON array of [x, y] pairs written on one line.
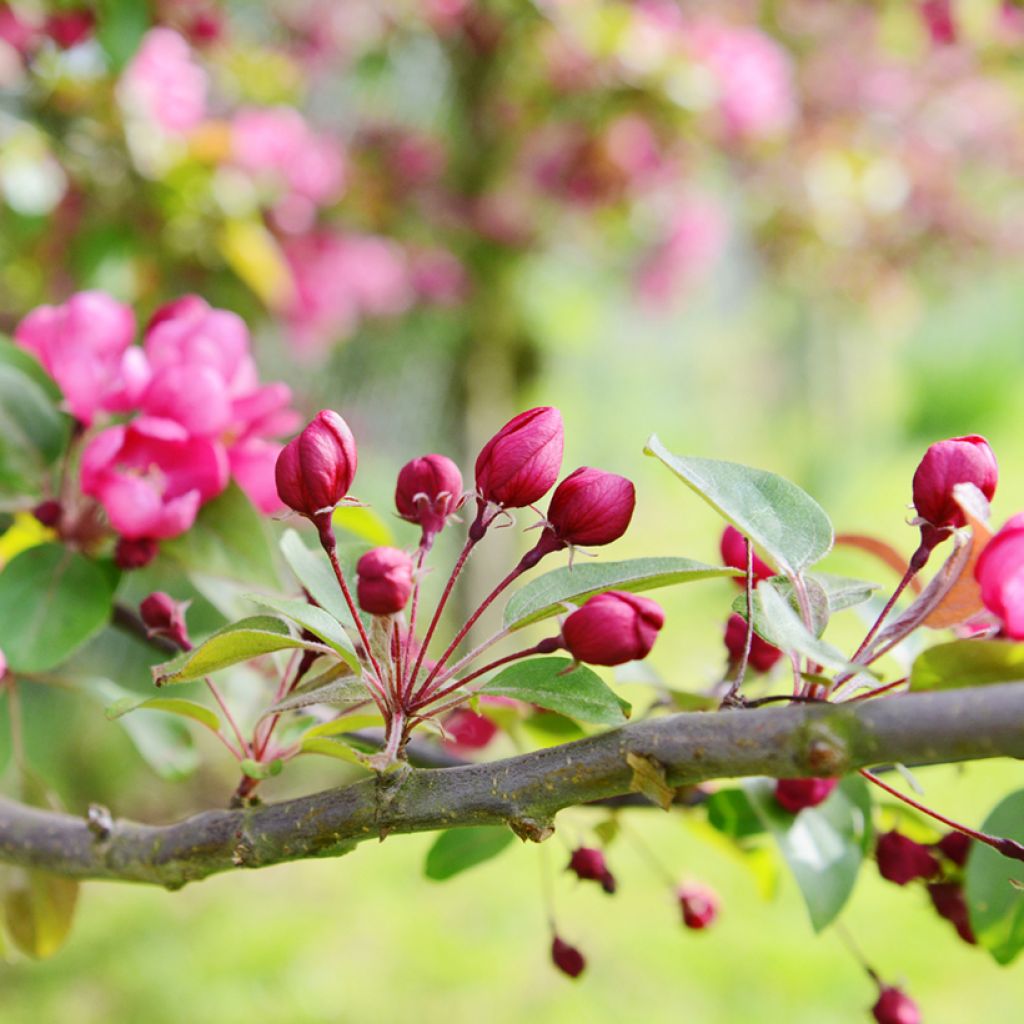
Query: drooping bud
[[164, 616], [763, 655], [568, 959], [796, 794], [734, 554], [520, 464], [699, 905], [468, 731], [948, 900], [384, 581], [588, 864], [955, 847], [901, 860], [1000, 573], [315, 470], [613, 628], [429, 490], [135, 552], [945, 464], [48, 512], [895, 1007]]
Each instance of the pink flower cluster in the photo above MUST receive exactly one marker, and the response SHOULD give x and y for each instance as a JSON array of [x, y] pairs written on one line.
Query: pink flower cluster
[[200, 413], [163, 84]]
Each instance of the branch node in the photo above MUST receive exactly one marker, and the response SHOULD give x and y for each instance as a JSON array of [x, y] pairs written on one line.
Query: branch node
[[100, 822], [827, 752], [534, 830]]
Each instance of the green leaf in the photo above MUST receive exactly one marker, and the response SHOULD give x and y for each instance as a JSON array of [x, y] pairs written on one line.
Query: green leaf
[[731, 813], [32, 430], [316, 620], [338, 749], [241, 641], [229, 541], [120, 27], [458, 849], [346, 723], [21, 359], [817, 602], [339, 692], [828, 594], [313, 570], [363, 523], [967, 663], [258, 770], [823, 846], [994, 901], [784, 521], [38, 910], [51, 601], [580, 694], [172, 705], [546, 595]]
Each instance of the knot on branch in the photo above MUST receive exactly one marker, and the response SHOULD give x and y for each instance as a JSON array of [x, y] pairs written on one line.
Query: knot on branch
[[100, 822], [536, 830], [825, 751]]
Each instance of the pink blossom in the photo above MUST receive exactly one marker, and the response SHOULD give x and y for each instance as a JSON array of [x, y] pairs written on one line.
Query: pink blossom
[[252, 462], [1000, 571], [86, 346], [152, 477], [753, 77], [164, 84], [438, 276]]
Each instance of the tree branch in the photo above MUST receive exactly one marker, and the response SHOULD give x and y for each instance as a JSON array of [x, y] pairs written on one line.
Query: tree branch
[[525, 792]]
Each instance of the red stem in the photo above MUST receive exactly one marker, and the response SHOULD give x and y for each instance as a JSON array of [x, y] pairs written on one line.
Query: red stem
[[497, 663]]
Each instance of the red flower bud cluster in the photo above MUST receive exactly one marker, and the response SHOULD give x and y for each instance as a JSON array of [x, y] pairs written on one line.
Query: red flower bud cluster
[[613, 628], [955, 847], [384, 581], [763, 655], [699, 905], [588, 864], [796, 794], [901, 860], [895, 1007], [568, 959]]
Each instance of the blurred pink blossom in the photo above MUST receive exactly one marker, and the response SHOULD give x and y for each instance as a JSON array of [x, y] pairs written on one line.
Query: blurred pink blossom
[[151, 476], [438, 276], [164, 84], [86, 346]]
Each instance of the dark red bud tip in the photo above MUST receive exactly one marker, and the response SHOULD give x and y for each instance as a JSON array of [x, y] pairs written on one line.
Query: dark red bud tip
[[588, 864], [428, 492], [901, 860], [591, 507], [384, 581], [734, 554], [955, 847], [1009, 848], [48, 513], [796, 794], [895, 1007], [315, 470], [568, 959], [945, 464], [520, 464], [948, 900], [699, 906], [613, 628], [135, 553], [164, 616], [763, 655]]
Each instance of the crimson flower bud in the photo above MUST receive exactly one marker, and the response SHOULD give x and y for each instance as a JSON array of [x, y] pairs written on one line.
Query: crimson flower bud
[[69, 28], [48, 512], [796, 794], [613, 628], [948, 900], [734, 554], [468, 730], [385, 581], [901, 860], [568, 959], [136, 552], [164, 616], [763, 655], [1000, 573], [520, 464], [588, 864], [699, 905], [429, 490], [945, 464], [315, 470], [895, 1007], [955, 846]]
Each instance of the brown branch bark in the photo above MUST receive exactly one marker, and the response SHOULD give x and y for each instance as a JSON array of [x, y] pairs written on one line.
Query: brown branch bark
[[526, 792]]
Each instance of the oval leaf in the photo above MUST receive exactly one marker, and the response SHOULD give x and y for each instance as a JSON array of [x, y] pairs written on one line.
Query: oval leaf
[[579, 694], [313, 571], [51, 601], [337, 749], [339, 692], [786, 522], [38, 910], [316, 620], [994, 900], [172, 705], [967, 663], [458, 849]]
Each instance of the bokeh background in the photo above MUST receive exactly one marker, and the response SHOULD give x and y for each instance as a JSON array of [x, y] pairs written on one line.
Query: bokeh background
[[786, 233]]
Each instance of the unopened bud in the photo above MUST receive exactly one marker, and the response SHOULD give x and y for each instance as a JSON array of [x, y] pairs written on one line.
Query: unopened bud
[[136, 552], [591, 507], [763, 655], [315, 470], [948, 900], [895, 1007], [468, 731], [613, 628], [429, 490], [901, 860], [588, 864], [384, 581], [48, 513], [955, 847], [568, 959], [699, 905], [734, 554], [796, 794], [164, 616]]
